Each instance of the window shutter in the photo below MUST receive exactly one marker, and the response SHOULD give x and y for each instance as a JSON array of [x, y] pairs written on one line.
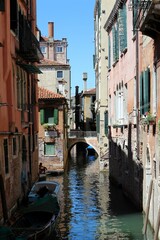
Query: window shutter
[[123, 28], [117, 42], [99, 8], [114, 43], [141, 94], [42, 116], [106, 122], [109, 52], [56, 116], [49, 149], [98, 123], [146, 87]]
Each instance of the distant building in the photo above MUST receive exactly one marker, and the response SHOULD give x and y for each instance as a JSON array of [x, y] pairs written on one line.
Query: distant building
[[55, 65], [53, 110], [88, 116], [19, 52]]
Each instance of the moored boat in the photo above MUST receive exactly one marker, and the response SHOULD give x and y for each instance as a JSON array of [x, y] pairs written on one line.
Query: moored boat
[[43, 188], [38, 220]]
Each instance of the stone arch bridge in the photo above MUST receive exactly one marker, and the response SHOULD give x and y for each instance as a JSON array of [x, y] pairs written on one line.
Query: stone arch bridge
[[88, 137]]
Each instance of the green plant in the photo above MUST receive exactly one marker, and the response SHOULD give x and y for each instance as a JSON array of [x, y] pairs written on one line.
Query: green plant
[[148, 118], [49, 126]]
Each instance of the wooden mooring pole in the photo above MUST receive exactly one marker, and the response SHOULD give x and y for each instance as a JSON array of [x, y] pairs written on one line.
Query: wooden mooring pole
[[148, 206], [157, 226]]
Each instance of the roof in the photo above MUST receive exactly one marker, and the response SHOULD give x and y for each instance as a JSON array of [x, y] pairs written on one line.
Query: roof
[[47, 62], [113, 14], [44, 93], [90, 91]]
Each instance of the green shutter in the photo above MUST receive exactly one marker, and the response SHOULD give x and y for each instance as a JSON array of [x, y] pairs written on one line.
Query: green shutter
[[123, 28], [106, 122], [141, 94], [114, 43], [98, 123], [117, 42], [146, 87], [42, 116], [99, 8], [49, 149], [56, 116]]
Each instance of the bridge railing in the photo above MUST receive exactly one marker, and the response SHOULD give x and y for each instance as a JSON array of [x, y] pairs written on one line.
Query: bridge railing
[[81, 134]]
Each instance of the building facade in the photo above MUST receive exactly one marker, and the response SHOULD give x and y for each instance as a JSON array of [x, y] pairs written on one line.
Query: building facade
[[55, 66], [148, 23], [53, 110], [101, 12], [133, 103], [125, 161], [19, 53]]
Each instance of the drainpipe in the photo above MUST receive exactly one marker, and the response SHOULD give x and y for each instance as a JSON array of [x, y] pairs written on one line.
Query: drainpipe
[[137, 90]]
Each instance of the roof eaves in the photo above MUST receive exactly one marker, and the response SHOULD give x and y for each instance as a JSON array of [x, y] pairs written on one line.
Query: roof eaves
[[113, 15]]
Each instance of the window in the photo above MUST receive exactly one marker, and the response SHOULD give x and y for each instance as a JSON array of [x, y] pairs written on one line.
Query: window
[[5, 149], [2, 8], [14, 146], [59, 49], [13, 15], [59, 74], [49, 115], [115, 35], [21, 89], [122, 22], [145, 92], [106, 123], [98, 122], [49, 149], [43, 49]]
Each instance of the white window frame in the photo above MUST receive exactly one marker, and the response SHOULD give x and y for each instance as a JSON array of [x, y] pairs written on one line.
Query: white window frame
[[59, 72]]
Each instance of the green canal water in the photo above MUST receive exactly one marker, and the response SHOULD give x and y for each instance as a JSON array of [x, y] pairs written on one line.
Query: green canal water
[[94, 209]]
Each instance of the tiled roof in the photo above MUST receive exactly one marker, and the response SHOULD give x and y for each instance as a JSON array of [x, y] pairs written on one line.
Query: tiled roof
[[90, 91], [44, 93], [47, 62]]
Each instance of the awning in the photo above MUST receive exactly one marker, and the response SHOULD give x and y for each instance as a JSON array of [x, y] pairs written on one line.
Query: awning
[[30, 68]]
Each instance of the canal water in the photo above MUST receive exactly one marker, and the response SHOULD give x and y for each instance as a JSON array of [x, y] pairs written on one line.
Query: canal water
[[94, 209]]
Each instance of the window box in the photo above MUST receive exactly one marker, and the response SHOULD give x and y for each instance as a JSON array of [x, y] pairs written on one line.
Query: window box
[[148, 119], [49, 126]]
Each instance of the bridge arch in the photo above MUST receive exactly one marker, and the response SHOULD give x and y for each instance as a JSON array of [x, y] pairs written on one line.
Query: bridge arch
[[90, 141]]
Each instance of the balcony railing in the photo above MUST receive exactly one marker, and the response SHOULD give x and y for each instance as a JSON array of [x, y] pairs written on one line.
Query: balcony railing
[[148, 20], [81, 134], [29, 45]]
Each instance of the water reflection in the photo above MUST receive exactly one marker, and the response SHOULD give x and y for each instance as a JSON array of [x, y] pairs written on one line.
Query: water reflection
[[92, 208]]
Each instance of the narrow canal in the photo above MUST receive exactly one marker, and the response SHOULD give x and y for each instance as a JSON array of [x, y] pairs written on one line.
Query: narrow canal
[[94, 209]]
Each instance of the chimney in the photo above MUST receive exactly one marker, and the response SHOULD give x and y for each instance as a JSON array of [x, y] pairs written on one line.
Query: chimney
[[85, 81], [51, 29]]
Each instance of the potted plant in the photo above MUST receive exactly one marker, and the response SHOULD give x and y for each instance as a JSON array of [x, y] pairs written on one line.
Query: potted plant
[[49, 126], [149, 119]]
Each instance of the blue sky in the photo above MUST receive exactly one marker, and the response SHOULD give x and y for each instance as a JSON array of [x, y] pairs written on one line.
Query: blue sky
[[74, 20]]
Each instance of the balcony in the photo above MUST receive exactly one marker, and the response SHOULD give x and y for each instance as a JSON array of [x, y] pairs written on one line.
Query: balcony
[[148, 20], [29, 46]]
